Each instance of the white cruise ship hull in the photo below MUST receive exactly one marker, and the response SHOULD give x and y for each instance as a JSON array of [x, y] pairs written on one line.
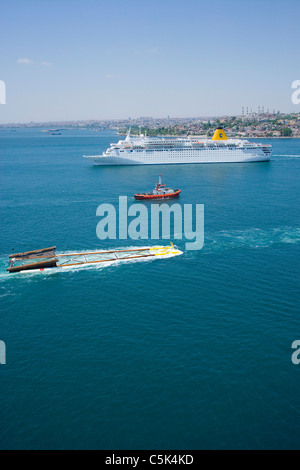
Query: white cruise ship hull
[[144, 150], [236, 155]]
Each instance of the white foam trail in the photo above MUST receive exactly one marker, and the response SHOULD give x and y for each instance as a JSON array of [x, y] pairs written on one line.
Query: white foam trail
[[131, 248], [250, 238], [292, 156]]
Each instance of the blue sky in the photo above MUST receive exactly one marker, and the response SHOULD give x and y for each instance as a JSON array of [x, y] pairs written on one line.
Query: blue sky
[[72, 60]]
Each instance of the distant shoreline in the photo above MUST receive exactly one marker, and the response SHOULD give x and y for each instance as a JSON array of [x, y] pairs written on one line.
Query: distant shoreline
[[157, 135], [229, 137]]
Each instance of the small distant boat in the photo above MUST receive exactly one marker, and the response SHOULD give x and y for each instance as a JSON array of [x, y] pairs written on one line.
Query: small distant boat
[[52, 131], [45, 259], [160, 192]]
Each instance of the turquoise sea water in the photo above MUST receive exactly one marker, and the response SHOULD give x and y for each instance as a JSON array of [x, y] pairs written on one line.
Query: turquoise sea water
[[192, 352]]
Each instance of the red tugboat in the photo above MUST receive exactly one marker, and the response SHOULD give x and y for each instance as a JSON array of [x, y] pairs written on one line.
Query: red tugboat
[[160, 192]]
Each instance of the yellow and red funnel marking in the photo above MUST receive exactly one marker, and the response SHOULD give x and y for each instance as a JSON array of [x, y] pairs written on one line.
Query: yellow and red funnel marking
[[219, 134]]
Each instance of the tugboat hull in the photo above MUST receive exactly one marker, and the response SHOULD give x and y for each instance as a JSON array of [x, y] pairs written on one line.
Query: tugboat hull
[[158, 196]]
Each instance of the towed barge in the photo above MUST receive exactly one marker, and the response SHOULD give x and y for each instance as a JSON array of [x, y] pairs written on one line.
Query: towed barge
[[46, 259]]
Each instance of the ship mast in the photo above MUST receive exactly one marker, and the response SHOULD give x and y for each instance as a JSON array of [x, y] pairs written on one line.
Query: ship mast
[[128, 135]]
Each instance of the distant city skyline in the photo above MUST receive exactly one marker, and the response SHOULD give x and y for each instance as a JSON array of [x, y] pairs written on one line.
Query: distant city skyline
[[96, 60]]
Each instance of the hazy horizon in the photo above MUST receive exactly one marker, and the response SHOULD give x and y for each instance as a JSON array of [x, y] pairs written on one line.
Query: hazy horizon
[[93, 60], [122, 119]]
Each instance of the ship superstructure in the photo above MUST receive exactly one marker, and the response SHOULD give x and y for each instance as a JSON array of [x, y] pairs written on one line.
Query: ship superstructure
[[144, 150]]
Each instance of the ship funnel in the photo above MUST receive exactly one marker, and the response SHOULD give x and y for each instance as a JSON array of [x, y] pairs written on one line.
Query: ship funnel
[[219, 134]]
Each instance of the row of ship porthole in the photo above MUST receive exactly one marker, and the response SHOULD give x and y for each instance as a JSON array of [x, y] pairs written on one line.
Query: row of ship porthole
[[186, 151], [177, 157]]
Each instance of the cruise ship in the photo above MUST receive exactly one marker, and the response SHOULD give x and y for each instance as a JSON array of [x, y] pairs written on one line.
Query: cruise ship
[[144, 150]]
